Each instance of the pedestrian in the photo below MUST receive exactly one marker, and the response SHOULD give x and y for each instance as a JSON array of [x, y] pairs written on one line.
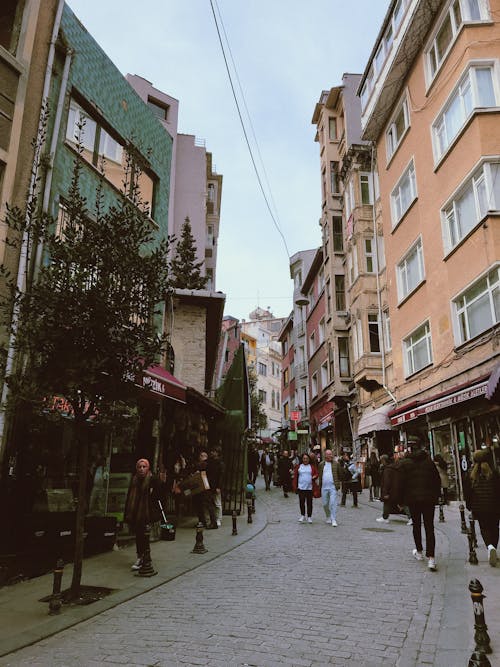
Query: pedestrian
[[390, 489], [294, 457], [330, 476], [305, 477], [373, 470], [421, 485], [142, 507], [442, 468], [482, 497], [350, 481], [267, 465], [203, 502], [285, 470], [215, 475], [253, 463]]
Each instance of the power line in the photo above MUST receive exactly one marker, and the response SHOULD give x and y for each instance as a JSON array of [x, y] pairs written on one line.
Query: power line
[[243, 126]]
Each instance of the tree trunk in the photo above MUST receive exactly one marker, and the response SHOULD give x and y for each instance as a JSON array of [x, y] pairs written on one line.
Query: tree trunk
[[81, 507]]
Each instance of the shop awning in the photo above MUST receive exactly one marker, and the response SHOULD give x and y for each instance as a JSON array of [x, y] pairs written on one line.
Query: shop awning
[[160, 382], [493, 386], [375, 420]]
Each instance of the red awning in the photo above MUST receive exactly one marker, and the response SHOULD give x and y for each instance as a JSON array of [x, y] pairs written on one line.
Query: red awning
[[160, 382]]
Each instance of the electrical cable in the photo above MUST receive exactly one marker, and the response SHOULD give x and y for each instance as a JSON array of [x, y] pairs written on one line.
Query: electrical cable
[[245, 132]]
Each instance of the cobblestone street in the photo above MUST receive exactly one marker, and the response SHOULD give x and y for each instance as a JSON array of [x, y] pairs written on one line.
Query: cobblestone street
[[296, 594]]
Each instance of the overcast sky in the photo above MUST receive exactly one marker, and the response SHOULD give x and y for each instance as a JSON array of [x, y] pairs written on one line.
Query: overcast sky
[[286, 52]]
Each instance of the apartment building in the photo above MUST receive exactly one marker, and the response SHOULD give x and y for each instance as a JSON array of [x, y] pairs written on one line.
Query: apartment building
[[430, 104], [195, 186]]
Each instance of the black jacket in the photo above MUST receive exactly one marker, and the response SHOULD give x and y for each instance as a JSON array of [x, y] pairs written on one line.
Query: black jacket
[[484, 496], [285, 467], [420, 481], [390, 483]]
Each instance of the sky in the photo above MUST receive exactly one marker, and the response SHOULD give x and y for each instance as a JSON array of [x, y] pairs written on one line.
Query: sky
[[285, 53]]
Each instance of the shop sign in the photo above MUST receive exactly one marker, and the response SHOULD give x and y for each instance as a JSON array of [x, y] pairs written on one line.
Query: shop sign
[[63, 406], [295, 415], [302, 431], [440, 404], [292, 435]]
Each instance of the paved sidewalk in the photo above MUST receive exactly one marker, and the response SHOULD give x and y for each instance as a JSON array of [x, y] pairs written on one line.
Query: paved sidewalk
[[24, 620]]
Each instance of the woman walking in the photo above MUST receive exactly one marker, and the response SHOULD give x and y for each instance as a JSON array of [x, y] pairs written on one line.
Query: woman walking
[[482, 497], [304, 479], [373, 471]]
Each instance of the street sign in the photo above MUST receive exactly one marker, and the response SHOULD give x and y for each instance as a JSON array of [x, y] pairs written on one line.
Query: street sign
[[292, 435], [295, 415], [302, 431]]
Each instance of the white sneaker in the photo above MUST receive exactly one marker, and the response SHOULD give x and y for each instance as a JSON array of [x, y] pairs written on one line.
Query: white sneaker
[[302, 519], [137, 565], [334, 523], [219, 523], [410, 522], [382, 520], [418, 554], [328, 520], [432, 565], [492, 555], [309, 520]]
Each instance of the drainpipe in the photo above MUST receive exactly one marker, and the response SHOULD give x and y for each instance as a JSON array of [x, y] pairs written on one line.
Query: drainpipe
[[379, 298], [23, 255]]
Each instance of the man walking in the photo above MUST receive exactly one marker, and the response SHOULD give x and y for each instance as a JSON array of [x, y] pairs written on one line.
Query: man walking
[[285, 468], [267, 464], [330, 475], [421, 486], [350, 481]]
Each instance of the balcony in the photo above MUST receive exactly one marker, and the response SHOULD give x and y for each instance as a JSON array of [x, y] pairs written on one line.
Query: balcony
[[301, 369]]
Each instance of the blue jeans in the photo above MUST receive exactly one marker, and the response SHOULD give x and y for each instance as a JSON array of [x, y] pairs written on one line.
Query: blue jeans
[[329, 500]]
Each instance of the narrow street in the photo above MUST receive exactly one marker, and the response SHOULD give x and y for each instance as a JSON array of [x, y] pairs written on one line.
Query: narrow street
[[296, 594]]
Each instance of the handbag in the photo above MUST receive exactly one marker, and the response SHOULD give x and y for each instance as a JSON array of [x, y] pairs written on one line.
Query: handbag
[[316, 490]]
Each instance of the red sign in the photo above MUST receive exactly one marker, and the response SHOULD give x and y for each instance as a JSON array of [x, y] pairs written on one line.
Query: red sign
[[295, 415]]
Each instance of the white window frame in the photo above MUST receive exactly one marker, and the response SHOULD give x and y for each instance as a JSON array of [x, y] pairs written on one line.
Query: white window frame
[[349, 199], [392, 138], [409, 345], [321, 332], [370, 255], [365, 177], [386, 323], [357, 331], [465, 93], [416, 250], [324, 374], [312, 344], [332, 121], [399, 207], [433, 62], [481, 181], [460, 313], [314, 384]]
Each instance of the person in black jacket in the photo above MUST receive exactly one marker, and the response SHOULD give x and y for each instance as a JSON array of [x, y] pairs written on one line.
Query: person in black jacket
[[421, 486], [482, 497], [285, 470]]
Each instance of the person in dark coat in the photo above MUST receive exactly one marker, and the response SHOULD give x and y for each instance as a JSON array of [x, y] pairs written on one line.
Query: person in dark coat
[[252, 464], [215, 475], [482, 497], [373, 470], [421, 486], [267, 465], [142, 507], [285, 469], [390, 487]]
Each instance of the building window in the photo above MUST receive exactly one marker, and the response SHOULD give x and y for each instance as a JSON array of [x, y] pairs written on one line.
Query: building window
[[418, 349], [387, 330], [332, 129], [159, 109], [226, 356], [352, 265], [261, 368], [273, 399], [365, 185], [344, 363], [397, 128], [478, 308], [340, 293], [277, 399], [321, 280], [338, 234], [286, 377], [331, 358], [297, 279], [285, 346], [286, 411], [476, 89], [262, 396], [373, 332], [404, 194], [357, 339], [410, 271], [479, 194], [314, 385], [321, 331], [369, 257], [324, 375], [312, 344], [349, 200], [457, 13], [334, 178]]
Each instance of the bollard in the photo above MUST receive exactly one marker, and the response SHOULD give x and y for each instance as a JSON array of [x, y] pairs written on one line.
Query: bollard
[[146, 569], [441, 511], [472, 525], [479, 659], [249, 511], [481, 636], [253, 504], [233, 516], [472, 552], [461, 507], [199, 547], [55, 600]]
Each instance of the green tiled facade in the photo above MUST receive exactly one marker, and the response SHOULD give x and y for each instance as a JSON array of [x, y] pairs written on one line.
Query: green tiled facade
[[97, 81]]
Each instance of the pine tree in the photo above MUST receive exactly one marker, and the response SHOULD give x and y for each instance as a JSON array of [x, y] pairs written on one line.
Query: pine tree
[[186, 272]]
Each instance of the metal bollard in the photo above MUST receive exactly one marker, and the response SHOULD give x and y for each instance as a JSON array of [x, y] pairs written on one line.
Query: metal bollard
[[478, 659], [146, 569], [249, 511], [472, 525], [461, 507], [441, 511], [199, 547], [233, 516], [472, 551], [481, 636], [55, 600]]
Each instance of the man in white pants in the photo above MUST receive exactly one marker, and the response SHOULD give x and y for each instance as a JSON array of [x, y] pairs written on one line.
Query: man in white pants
[[330, 476]]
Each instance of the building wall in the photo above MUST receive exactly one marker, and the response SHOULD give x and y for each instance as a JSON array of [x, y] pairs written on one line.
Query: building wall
[[188, 339]]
